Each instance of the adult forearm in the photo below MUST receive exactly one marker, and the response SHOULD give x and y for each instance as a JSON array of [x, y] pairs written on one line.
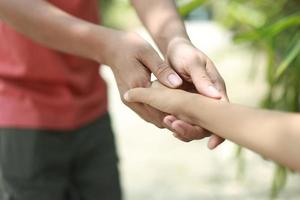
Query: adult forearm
[[275, 135], [46, 24], [162, 20]]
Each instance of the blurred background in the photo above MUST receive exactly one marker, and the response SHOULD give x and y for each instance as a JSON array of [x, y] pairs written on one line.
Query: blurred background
[[255, 45]]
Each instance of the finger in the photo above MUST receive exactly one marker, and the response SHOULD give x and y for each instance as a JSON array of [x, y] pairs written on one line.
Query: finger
[[156, 84], [214, 141], [153, 97], [223, 92], [203, 83], [169, 119], [217, 80], [141, 95], [158, 98], [184, 129], [189, 131], [145, 114], [156, 116], [192, 132], [162, 71], [138, 109], [178, 136]]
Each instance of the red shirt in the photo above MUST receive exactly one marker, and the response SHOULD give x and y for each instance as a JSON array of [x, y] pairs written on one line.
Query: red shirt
[[44, 89]]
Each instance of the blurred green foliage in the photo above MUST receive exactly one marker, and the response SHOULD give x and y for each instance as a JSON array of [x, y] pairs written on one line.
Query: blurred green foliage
[[186, 7], [274, 28], [117, 14]]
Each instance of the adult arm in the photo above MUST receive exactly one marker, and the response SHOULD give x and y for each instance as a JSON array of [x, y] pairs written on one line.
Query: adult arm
[[168, 31], [52, 27], [129, 56]]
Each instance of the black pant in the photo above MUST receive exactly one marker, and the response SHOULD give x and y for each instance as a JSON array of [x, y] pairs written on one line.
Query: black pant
[[53, 165]]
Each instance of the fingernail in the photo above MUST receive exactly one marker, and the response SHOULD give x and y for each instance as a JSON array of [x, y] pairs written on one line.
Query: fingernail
[[210, 146], [211, 143], [126, 96], [213, 91], [224, 99], [174, 79], [168, 122]]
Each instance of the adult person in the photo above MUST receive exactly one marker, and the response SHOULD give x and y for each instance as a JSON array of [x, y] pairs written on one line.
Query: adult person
[[56, 138]]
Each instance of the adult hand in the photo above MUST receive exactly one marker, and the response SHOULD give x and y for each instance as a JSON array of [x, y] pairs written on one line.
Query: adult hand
[[132, 60], [200, 75]]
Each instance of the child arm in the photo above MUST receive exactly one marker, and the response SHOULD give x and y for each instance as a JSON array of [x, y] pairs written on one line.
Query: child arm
[[275, 135]]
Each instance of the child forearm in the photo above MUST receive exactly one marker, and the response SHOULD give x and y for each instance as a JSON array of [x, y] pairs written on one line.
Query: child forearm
[[275, 135]]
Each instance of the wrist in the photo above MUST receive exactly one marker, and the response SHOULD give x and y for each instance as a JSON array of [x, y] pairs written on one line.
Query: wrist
[[166, 42], [189, 112], [178, 41], [104, 42]]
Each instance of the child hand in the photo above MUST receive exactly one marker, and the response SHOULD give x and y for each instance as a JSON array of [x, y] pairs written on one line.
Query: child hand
[[177, 102]]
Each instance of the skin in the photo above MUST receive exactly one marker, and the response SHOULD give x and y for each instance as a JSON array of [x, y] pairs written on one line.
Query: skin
[[275, 135], [194, 67], [131, 59]]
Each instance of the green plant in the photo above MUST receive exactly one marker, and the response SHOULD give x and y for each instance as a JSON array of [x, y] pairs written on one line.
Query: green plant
[[117, 14], [186, 7], [283, 72], [274, 30]]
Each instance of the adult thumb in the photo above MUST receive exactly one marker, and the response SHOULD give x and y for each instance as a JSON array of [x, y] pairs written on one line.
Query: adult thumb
[[203, 83], [161, 70]]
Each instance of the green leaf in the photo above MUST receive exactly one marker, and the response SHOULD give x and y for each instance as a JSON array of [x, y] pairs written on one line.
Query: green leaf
[[293, 53], [279, 181], [245, 14], [241, 165], [269, 31], [188, 7], [283, 24]]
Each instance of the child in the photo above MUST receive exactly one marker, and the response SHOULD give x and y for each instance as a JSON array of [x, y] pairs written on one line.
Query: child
[[273, 134]]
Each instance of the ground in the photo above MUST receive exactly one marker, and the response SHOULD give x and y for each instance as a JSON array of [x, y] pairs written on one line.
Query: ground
[[156, 166]]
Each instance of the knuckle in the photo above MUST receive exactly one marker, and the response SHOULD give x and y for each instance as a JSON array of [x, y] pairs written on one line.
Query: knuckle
[[138, 81], [159, 125], [209, 62], [130, 105], [185, 140], [124, 101], [189, 137], [203, 77], [214, 79], [144, 49], [162, 69], [195, 58], [146, 119], [143, 116], [222, 81], [197, 67]]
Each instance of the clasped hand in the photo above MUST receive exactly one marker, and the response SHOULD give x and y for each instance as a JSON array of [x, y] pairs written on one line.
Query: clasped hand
[[132, 61]]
